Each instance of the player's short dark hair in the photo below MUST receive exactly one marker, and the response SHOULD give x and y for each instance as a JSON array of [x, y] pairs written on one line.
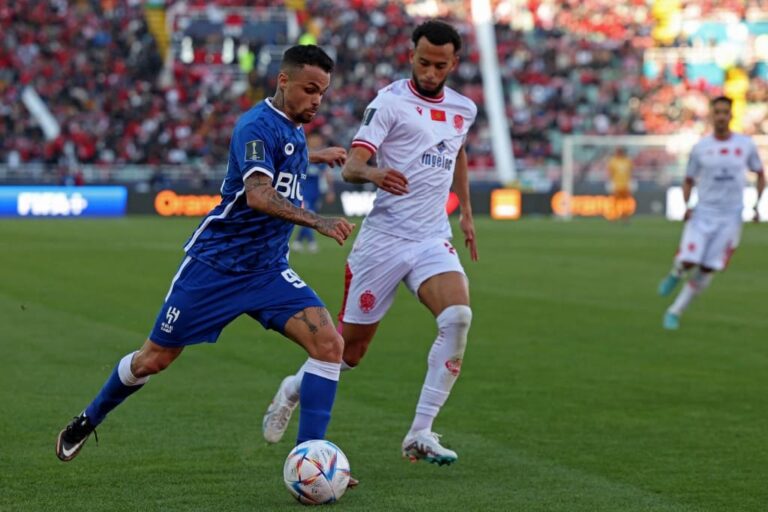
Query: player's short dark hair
[[438, 33], [302, 55], [723, 99]]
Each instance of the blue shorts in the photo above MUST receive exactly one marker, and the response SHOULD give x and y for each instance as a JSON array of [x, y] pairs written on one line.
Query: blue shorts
[[203, 300]]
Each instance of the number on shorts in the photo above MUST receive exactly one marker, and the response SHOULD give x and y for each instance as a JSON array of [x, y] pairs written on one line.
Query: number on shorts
[[293, 278]]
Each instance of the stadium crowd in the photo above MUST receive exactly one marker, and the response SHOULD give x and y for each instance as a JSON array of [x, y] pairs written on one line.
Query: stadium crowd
[[573, 66]]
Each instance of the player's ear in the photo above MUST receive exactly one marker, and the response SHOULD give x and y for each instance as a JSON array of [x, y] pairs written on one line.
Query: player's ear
[[455, 62], [282, 80], [411, 53]]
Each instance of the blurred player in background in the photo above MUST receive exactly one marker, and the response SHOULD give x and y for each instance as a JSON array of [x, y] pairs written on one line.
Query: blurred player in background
[[417, 129], [237, 262], [620, 174], [716, 167], [318, 186]]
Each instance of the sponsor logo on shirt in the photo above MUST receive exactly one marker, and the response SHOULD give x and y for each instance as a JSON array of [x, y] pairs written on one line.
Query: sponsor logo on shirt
[[724, 175], [254, 151], [436, 160]]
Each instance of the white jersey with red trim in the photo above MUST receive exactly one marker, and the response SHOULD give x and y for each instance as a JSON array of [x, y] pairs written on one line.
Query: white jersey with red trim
[[718, 167], [420, 137]]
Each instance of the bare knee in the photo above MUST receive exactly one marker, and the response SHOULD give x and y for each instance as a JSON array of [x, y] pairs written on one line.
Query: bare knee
[[328, 347], [152, 359]]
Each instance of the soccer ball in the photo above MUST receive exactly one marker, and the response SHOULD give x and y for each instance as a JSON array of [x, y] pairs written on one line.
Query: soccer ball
[[316, 472]]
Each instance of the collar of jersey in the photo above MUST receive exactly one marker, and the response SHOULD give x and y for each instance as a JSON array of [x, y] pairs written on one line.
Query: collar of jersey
[[281, 113], [425, 98]]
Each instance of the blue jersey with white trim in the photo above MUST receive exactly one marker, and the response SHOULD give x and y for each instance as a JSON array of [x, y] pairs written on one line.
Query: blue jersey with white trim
[[234, 237]]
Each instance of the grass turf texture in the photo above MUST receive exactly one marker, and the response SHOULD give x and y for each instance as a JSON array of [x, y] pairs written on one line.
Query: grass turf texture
[[572, 397]]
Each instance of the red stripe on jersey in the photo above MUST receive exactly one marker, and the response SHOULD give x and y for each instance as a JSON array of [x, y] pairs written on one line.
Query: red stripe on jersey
[[358, 143], [347, 282], [438, 99], [364, 144]]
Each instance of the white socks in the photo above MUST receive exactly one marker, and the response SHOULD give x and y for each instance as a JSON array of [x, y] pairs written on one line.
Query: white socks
[[293, 387], [695, 285], [126, 375], [444, 364]]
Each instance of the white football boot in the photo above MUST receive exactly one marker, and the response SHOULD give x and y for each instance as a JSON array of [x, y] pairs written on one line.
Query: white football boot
[[425, 445], [279, 413]]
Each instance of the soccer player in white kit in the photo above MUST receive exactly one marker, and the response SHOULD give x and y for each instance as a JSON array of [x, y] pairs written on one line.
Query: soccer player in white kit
[[712, 231], [417, 129]]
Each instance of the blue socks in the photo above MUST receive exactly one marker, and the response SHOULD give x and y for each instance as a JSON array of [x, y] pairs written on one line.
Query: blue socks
[[120, 385], [318, 391]]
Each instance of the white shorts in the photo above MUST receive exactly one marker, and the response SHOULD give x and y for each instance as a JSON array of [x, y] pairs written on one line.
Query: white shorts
[[379, 262], [709, 241]]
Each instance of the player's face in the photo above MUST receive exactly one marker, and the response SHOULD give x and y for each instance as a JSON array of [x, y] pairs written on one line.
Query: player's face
[[431, 65], [721, 116], [303, 91]]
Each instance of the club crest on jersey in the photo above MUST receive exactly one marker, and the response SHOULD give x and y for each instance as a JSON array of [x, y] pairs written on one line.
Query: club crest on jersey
[[170, 317], [368, 116], [441, 147], [367, 301], [289, 148], [458, 122], [254, 151]]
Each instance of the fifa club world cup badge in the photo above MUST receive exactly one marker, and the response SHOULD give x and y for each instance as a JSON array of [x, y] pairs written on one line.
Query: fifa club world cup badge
[[458, 122], [367, 301]]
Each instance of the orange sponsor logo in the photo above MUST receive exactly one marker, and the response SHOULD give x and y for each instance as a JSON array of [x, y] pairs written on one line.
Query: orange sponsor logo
[[168, 203], [609, 207]]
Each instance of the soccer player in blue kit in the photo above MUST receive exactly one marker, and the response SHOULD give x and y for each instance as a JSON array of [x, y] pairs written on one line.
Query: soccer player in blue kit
[[236, 261]]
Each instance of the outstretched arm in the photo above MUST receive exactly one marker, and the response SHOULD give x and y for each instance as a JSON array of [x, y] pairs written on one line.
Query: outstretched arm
[[332, 156], [262, 196], [357, 170], [461, 188]]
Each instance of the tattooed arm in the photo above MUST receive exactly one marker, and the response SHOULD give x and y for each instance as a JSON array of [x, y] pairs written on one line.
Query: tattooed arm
[[262, 196]]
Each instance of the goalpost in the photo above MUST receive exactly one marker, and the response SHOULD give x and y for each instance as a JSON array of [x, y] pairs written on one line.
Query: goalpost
[[659, 163]]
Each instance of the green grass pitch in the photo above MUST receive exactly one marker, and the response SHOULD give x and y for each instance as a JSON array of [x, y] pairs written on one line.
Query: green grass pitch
[[572, 397]]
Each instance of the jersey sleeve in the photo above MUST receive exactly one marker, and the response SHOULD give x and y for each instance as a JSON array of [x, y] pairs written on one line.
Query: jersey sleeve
[[694, 163], [753, 159], [378, 120], [255, 146]]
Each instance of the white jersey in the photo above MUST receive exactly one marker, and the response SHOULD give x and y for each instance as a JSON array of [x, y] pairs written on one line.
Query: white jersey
[[420, 137], [718, 167]]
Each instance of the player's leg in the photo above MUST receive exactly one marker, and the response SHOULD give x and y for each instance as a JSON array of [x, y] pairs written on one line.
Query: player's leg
[[130, 374], [696, 284], [688, 255], [719, 248], [447, 297], [442, 286], [198, 305], [372, 275], [313, 329]]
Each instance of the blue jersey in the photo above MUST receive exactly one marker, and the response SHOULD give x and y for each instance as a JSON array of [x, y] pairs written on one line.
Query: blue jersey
[[234, 237]]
